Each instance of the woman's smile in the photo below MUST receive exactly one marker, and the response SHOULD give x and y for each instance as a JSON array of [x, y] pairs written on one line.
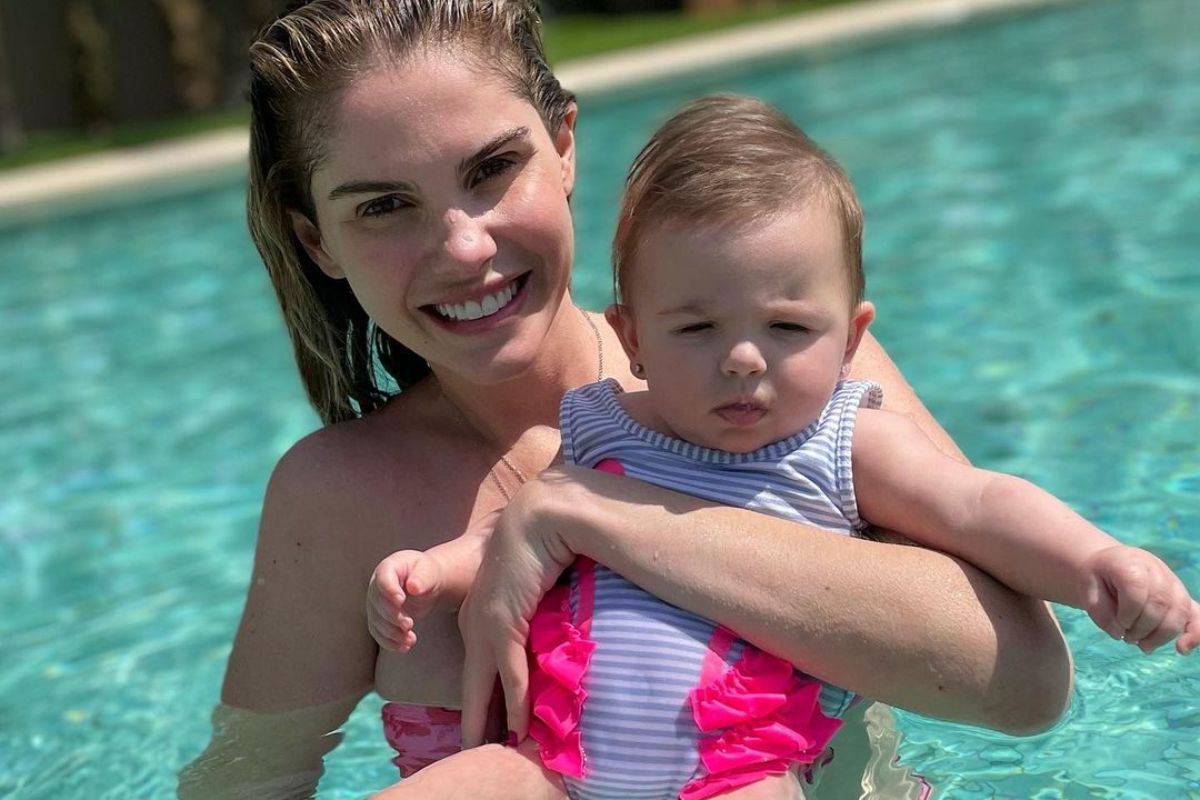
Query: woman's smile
[[482, 309]]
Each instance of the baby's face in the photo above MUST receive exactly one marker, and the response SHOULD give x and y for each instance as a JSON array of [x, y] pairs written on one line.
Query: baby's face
[[743, 332]]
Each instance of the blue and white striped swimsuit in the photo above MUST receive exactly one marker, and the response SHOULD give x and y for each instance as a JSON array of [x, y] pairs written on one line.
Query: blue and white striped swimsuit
[[638, 733]]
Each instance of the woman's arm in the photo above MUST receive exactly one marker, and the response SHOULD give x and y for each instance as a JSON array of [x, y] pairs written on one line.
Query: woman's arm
[[303, 657], [264, 756], [911, 627], [871, 362], [908, 626], [303, 639]]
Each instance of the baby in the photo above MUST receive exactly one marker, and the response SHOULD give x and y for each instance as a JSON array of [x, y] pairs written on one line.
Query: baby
[[740, 303]]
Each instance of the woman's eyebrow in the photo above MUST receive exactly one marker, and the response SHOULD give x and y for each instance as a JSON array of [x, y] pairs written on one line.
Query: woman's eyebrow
[[464, 166], [498, 141], [369, 187]]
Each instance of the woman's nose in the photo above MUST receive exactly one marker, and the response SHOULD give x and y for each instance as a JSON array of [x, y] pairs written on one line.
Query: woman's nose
[[466, 242], [744, 360]]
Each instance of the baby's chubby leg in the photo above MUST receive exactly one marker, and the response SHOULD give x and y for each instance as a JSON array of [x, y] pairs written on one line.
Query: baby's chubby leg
[[492, 771], [775, 787]]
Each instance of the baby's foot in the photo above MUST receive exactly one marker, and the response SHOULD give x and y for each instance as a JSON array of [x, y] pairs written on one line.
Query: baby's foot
[[404, 587]]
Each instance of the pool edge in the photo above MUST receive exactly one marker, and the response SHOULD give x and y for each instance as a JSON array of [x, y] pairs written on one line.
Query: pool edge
[[29, 189]]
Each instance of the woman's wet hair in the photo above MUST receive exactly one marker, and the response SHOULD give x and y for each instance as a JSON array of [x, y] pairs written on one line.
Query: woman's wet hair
[[731, 161], [300, 64]]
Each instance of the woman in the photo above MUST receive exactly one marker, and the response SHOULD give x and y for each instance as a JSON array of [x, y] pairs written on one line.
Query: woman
[[411, 165]]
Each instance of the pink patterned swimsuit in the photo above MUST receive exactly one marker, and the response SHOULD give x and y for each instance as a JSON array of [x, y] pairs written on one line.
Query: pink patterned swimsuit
[[635, 699], [421, 735]]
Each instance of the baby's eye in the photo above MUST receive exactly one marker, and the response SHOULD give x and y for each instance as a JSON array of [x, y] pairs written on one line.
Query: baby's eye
[[788, 327], [694, 327], [381, 206]]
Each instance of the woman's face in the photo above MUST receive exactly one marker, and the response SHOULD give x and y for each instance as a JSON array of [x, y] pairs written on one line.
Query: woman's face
[[443, 201]]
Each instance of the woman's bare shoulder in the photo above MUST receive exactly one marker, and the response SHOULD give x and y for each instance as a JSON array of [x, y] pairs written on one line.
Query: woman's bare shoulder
[[347, 467], [347, 495], [335, 506]]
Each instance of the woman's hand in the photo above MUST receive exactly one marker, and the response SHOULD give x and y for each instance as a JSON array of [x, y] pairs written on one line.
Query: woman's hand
[[520, 563], [957, 644]]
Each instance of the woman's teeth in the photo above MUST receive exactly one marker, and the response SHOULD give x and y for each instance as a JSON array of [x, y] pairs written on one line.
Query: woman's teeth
[[477, 310]]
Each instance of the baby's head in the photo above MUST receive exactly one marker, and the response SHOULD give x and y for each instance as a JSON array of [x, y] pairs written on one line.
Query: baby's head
[[738, 273]]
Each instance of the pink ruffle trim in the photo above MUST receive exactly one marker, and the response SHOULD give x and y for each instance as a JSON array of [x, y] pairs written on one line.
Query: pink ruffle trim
[[562, 653], [762, 718]]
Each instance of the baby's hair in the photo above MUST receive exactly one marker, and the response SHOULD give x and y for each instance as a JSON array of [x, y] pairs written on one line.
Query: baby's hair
[[731, 161]]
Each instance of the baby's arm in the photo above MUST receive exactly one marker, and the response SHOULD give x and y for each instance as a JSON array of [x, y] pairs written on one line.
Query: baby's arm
[[409, 584], [1019, 533]]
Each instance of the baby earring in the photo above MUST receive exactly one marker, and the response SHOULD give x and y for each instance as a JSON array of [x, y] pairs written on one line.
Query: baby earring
[[637, 369]]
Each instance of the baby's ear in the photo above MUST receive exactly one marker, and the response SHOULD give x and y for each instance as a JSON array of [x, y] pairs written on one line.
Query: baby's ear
[[860, 320], [620, 318], [309, 236]]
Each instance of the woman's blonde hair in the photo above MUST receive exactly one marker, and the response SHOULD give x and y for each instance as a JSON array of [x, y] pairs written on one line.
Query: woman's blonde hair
[[731, 160], [299, 65]]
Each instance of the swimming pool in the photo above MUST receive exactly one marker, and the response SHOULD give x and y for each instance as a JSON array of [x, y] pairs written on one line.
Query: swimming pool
[[1032, 185]]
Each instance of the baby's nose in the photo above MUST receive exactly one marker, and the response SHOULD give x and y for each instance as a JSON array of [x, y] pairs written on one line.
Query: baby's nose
[[744, 360]]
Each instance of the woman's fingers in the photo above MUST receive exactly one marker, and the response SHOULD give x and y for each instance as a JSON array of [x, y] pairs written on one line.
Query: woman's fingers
[[474, 713], [479, 679], [514, 675], [481, 666], [516, 570]]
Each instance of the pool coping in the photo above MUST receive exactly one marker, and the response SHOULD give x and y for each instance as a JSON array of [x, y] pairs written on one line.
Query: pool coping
[[85, 178]]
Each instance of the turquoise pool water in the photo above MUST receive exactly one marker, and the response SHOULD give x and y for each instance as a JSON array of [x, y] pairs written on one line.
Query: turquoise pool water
[[1032, 186]]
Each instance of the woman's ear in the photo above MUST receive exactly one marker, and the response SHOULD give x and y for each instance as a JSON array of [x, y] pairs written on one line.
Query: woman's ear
[[620, 317], [564, 143], [309, 236], [863, 314]]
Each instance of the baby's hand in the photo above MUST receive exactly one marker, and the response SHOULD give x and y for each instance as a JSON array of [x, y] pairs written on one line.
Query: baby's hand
[[404, 587], [1132, 595]]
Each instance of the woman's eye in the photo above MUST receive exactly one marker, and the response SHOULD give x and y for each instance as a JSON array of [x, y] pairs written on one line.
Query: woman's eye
[[381, 206], [492, 168]]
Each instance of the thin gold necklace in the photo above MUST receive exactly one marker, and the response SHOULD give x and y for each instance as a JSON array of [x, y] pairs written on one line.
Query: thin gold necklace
[[513, 468]]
